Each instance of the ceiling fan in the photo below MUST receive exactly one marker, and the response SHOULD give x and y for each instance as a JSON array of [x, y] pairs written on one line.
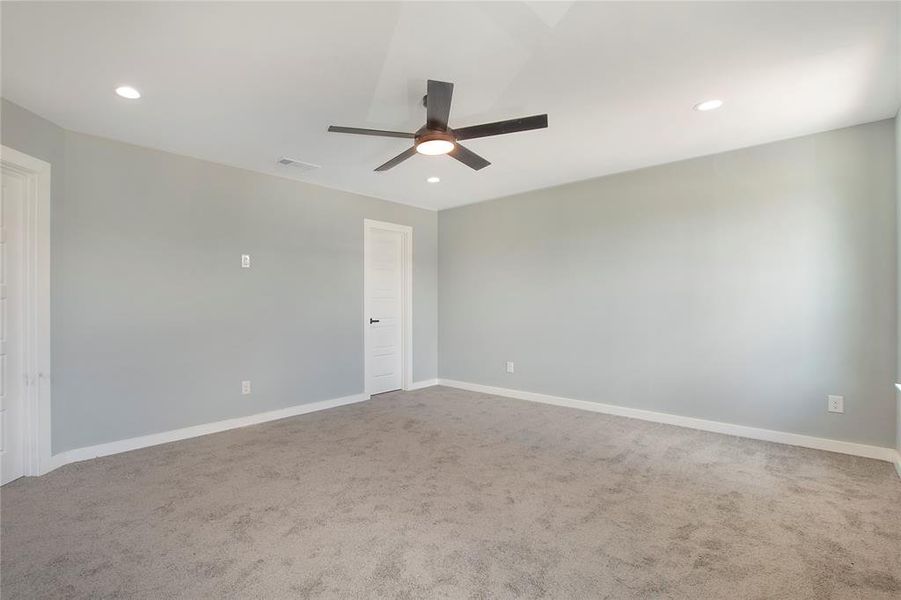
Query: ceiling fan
[[435, 137]]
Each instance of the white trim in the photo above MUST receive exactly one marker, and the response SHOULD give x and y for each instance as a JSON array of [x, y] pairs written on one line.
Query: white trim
[[769, 435], [419, 385], [897, 459], [154, 439], [407, 301], [36, 304]]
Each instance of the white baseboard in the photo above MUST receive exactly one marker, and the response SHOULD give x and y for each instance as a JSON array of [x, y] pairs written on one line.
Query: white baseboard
[[79, 454], [794, 439], [769, 435], [418, 385]]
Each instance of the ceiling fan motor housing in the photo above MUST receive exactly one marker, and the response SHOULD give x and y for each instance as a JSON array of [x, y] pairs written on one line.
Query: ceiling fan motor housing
[[431, 134]]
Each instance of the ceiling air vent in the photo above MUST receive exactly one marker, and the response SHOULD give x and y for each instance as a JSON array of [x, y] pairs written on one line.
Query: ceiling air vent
[[297, 164]]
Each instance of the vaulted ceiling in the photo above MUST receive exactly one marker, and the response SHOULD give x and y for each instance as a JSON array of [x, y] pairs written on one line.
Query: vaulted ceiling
[[246, 83]]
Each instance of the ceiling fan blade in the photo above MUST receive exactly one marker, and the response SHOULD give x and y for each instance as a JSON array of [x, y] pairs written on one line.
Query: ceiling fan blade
[[468, 157], [501, 127], [378, 132], [397, 159], [438, 104]]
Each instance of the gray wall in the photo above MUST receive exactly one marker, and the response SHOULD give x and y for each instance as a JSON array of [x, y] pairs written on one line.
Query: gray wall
[[154, 323], [898, 193], [742, 287]]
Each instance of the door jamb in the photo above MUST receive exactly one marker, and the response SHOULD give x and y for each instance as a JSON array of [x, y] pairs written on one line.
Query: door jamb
[[406, 301], [36, 308]]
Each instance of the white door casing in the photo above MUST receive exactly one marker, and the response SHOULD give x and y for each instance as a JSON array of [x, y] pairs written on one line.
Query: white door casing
[[28, 180], [387, 306], [12, 422]]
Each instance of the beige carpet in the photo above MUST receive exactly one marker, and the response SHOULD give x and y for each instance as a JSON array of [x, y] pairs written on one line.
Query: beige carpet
[[443, 493]]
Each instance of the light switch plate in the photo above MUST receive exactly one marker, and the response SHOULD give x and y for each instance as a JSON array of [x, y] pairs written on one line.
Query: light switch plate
[[245, 261]]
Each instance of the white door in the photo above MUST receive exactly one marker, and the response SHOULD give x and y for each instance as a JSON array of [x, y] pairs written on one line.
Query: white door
[[12, 422], [384, 289]]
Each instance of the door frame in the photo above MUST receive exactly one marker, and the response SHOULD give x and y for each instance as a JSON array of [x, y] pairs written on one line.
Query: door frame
[[406, 301], [35, 269]]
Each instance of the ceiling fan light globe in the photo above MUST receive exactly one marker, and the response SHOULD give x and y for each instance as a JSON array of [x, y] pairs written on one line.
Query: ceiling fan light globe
[[434, 147]]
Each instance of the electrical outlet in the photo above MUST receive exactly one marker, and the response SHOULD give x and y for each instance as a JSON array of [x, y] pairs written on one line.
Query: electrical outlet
[[245, 387], [245, 261], [836, 404], [509, 366]]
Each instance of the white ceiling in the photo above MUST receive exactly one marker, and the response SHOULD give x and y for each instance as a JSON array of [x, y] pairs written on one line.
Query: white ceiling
[[246, 83]]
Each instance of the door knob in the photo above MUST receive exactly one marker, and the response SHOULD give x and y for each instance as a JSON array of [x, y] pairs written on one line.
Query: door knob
[[371, 321]]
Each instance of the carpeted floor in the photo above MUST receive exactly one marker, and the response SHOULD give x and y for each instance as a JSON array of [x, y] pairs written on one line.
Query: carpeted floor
[[443, 493]]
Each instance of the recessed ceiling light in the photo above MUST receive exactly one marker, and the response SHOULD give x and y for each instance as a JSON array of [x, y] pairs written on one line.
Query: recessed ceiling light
[[433, 179], [126, 91], [709, 105]]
